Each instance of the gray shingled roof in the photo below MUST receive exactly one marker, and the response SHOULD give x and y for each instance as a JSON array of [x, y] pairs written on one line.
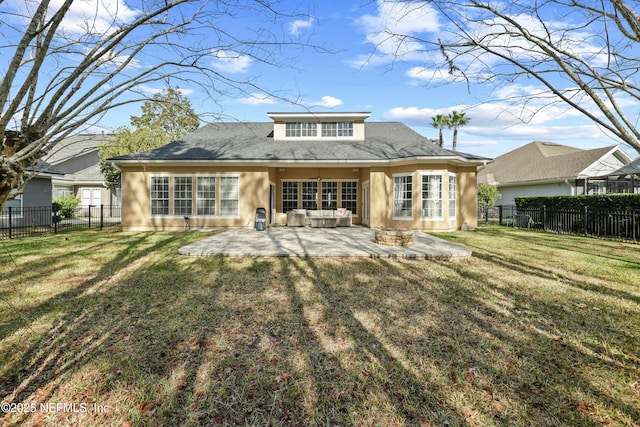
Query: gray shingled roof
[[540, 161], [254, 142], [75, 146], [632, 168]]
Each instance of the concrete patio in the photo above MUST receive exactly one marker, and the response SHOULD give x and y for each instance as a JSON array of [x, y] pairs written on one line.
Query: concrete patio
[[320, 242]]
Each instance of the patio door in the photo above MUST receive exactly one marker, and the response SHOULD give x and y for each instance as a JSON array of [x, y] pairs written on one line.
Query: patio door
[[365, 203]]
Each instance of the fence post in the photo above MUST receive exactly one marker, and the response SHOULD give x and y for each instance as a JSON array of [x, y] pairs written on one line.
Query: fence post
[[10, 228], [101, 216], [544, 217], [500, 214], [586, 220], [89, 217]]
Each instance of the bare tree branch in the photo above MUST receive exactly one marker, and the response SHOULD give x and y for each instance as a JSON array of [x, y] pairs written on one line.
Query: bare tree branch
[[67, 69], [581, 53]]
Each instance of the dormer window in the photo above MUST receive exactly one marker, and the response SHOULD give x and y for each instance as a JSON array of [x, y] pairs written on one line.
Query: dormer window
[[301, 129], [335, 129], [330, 126]]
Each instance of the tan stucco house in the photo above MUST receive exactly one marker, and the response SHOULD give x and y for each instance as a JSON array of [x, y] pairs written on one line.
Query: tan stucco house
[[384, 173]]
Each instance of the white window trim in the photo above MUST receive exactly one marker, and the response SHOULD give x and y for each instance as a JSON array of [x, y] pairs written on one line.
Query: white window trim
[[366, 208], [319, 131], [194, 194], [358, 190], [322, 192], [219, 191], [455, 215], [318, 196], [172, 197], [443, 200], [298, 194], [159, 175], [393, 216]]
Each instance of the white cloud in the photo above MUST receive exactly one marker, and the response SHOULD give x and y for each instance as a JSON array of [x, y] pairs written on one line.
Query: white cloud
[[230, 61], [401, 17], [392, 31], [256, 99], [298, 25], [327, 102], [94, 16], [491, 122], [412, 115]]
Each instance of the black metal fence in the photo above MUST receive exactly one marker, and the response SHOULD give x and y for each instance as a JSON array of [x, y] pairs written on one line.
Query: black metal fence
[[607, 223], [34, 221]]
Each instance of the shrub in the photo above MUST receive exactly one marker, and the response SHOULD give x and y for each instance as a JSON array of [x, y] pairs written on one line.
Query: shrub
[[488, 195], [67, 206], [595, 201]]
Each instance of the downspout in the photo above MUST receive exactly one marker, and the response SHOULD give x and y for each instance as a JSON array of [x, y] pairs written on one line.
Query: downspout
[[572, 188]]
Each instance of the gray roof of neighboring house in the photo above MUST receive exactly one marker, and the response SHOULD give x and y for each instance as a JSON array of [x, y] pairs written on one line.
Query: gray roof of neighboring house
[[44, 168], [254, 142], [632, 168], [77, 157], [540, 161], [75, 146]]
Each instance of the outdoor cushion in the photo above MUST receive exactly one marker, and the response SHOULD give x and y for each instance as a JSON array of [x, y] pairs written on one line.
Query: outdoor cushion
[[296, 219], [344, 220]]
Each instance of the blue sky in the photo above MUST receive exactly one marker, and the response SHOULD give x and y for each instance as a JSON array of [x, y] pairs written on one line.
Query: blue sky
[[360, 71]]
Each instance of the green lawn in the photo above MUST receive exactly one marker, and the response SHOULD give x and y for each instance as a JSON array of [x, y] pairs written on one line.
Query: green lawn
[[536, 329]]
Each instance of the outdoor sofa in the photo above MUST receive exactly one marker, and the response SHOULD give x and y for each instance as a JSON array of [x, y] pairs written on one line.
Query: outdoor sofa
[[315, 218]]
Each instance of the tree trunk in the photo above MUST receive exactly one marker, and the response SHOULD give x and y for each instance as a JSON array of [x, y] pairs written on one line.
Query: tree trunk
[[455, 139]]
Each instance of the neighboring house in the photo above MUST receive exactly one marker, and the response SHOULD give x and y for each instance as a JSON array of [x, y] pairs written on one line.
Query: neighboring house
[[623, 180], [37, 191], [549, 169], [386, 174], [78, 159], [33, 205]]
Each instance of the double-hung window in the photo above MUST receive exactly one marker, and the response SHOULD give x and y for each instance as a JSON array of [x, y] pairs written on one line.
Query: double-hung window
[[182, 195], [310, 195], [229, 196], [453, 183], [329, 195], [402, 196], [187, 195], [431, 196], [289, 196], [159, 195], [206, 195], [349, 196]]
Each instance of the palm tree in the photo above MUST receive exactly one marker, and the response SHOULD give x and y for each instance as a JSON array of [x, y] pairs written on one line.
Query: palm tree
[[456, 120], [440, 122]]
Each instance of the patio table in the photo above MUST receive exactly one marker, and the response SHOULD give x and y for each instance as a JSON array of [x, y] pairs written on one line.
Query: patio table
[[320, 222]]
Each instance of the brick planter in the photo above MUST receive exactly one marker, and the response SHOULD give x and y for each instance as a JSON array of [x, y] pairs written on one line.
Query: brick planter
[[394, 237]]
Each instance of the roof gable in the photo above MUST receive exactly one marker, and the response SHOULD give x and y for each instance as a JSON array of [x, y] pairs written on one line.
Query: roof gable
[[542, 161]]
